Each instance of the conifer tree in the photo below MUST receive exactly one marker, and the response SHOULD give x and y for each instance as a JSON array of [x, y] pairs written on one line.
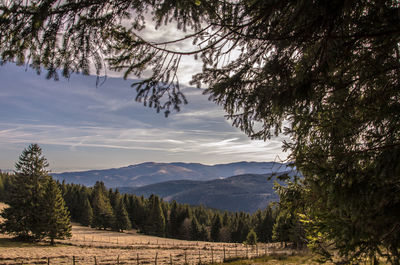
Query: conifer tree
[[156, 221], [195, 229], [103, 215], [87, 213], [139, 212], [24, 217], [215, 228], [56, 220], [251, 238], [121, 221]]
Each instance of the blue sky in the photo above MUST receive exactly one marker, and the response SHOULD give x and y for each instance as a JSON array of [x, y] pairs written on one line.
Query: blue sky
[[81, 126]]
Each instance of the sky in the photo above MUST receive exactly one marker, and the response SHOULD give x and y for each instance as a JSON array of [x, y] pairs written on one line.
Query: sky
[[81, 126]]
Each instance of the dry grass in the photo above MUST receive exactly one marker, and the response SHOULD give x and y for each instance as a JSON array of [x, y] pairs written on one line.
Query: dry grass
[[108, 247], [90, 246]]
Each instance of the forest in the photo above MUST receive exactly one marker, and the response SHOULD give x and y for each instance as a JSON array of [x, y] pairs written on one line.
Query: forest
[[103, 208]]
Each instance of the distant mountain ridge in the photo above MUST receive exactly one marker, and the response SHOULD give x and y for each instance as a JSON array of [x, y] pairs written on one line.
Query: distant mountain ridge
[[248, 192], [151, 173]]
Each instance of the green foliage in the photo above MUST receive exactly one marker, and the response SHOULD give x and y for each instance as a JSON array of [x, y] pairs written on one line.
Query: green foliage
[[216, 226], [103, 215], [195, 233], [156, 217], [122, 221], [155, 224], [24, 216], [87, 213], [36, 205], [56, 217], [251, 238], [5, 185]]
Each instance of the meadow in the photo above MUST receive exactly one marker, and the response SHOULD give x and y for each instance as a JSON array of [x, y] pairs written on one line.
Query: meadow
[[94, 246]]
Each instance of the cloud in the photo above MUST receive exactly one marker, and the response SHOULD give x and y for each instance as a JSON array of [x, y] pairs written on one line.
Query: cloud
[[84, 126]]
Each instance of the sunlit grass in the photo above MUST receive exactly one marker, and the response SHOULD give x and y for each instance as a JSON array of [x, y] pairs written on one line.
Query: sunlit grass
[[300, 258]]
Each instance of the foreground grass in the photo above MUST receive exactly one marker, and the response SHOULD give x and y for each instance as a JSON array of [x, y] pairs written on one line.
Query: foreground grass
[[13, 243], [276, 259]]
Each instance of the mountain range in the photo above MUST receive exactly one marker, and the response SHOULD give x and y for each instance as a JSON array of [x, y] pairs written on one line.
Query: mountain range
[[151, 173], [241, 186]]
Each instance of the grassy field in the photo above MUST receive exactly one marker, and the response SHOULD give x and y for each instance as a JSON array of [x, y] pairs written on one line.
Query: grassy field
[[92, 246], [106, 247], [275, 259]]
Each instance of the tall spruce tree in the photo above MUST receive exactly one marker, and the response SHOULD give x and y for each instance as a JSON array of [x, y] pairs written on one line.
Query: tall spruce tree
[[103, 215], [216, 226], [86, 216], [155, 224], [24, 217], [56, 219], [37, 208], [121, 221]]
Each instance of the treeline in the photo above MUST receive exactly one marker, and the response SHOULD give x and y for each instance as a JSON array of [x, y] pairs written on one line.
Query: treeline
[[107, 208], [104, 208]]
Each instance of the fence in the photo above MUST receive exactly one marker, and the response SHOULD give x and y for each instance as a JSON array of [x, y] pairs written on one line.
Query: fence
[[205, 255]]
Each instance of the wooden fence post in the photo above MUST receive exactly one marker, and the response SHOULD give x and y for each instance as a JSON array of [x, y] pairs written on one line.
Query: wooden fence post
[[95, 260], [137, 258], [224, 254], [247, 251], [257, 249], [48, 261], [212, 255], [118, 260], [236, 250], [185, 258], [155, 261], [170, 258], [73, 260], [199, 258]]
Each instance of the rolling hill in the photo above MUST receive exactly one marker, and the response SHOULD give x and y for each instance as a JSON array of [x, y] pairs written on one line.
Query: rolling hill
[[151, 173], [248, 192]]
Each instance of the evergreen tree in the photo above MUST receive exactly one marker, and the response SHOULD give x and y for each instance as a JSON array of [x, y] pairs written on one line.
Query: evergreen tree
[[251, 238], [57, 224], [215, 228], [288, 228], [5, 184], [156, 221], [103, 215], [139, 213], [86, 217], [204, 233], [264, 224], [195, 229], [24, 217], [121, 221]]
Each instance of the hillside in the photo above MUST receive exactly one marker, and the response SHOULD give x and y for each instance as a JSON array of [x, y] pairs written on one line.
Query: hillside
[[151, 173], [248, 192]]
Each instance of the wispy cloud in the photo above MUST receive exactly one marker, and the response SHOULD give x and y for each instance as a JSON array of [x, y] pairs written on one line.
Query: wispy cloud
[[82, 126]]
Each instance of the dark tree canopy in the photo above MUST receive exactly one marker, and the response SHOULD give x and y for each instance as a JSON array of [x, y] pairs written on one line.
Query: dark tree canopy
[[329, 68]]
